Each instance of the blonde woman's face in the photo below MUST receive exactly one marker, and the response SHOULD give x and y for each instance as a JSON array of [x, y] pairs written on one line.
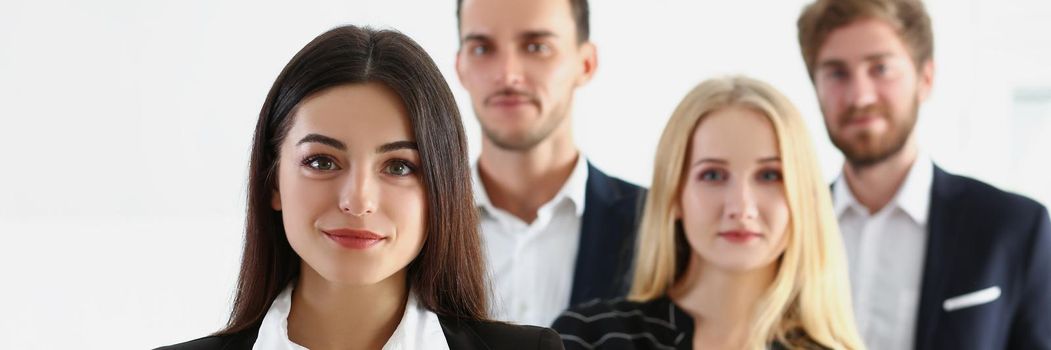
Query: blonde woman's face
[[733, 205]]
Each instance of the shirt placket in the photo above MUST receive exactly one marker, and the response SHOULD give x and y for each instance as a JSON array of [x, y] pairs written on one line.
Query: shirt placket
[[866, 269], [519, 237]]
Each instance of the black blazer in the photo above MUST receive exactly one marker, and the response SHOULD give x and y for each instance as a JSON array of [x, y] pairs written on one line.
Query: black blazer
[[980, 237], [607, 237], [461, 334]]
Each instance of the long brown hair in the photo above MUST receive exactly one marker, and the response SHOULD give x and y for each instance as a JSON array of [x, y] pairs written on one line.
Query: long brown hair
[[447, 275]]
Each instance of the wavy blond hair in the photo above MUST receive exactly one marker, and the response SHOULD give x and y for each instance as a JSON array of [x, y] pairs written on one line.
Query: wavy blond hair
[[810, 294]]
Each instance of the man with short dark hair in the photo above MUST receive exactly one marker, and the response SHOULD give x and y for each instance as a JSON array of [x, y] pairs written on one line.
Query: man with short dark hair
[[937, 261], [557, 231]]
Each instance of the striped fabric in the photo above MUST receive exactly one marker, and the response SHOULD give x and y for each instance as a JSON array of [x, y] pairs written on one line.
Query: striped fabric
[[620, 324]]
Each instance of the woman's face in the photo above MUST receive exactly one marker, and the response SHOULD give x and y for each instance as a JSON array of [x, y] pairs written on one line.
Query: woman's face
[[349, 192], [732, 204]]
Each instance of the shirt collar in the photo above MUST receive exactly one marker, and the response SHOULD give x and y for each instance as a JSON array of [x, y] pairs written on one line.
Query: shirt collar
[[574, 189], [842, 199], [481, 196], [913, 196], [418, 327], [273, 332]]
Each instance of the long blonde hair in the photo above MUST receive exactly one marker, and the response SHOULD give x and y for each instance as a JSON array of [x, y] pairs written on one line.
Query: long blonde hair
[[811, 291]]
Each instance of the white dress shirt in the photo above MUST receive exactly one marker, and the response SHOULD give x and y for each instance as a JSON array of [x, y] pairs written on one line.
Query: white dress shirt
[[418, 328], [886, 251], [531, 265]]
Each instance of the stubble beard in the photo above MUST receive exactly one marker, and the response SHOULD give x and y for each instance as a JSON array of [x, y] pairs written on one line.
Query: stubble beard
[[866, 149], [527, 139]]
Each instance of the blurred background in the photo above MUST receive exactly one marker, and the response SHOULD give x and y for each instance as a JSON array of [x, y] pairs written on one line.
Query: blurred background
[[125, 130]]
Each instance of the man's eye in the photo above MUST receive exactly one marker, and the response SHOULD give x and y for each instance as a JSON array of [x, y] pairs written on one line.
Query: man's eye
[[838, 74], [321, 163], [536, 47], [880, 69], [479, 50], [399, 168]]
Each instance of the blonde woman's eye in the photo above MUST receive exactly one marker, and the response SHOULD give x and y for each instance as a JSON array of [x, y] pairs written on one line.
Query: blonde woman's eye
[[321, 163], [399, 168], [770, 175], [713, 175]]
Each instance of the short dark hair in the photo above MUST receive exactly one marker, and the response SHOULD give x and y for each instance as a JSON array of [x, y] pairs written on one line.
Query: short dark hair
[[908, 17], [447, 275], [578, 8]]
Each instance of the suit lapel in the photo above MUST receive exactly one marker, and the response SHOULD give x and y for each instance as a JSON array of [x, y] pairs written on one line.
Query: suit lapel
[[596, 263], [242, 340], [460, 335], [940, 225], [245, 341]]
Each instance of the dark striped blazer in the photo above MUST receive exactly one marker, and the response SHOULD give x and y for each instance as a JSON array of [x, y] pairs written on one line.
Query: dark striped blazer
[[621, 324]]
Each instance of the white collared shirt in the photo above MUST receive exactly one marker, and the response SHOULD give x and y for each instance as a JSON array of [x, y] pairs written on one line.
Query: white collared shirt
[[531, 265], [418, 328], [886, 251]]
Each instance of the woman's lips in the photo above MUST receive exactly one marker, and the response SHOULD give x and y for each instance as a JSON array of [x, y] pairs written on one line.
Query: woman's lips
[[354, 239], [739, 236]]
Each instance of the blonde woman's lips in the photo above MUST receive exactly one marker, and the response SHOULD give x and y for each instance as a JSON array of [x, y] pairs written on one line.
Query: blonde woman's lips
[[739, 236]]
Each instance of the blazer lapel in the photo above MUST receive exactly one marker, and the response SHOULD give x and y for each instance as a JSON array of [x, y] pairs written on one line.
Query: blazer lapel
[[601, 235], [940, 225], [460, 335], [245, 340]]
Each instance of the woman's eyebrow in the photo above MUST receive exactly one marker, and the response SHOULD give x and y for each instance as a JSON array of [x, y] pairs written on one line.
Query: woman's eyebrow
[[770, 159], [387, 147], [709, 160], [322, 139], [397, 145]]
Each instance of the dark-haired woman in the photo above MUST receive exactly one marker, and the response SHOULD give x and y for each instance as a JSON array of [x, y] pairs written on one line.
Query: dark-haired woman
[[361, 233]]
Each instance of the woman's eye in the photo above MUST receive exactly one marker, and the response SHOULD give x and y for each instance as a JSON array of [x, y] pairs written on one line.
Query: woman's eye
[[770, 175], [321, 163], [399, 168], [713, 175]]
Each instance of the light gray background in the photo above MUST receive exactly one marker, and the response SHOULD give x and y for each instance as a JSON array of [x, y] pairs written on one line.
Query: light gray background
[[126, 125]]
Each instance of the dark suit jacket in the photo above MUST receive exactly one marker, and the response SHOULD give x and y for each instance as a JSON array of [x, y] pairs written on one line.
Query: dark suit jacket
[[460, 334], [607, 237], [981, 237]]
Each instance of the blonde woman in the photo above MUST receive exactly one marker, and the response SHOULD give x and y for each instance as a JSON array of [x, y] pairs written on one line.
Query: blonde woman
[[738, 247]]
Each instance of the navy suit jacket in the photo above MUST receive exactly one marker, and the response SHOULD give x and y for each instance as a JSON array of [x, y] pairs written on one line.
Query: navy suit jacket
[[607, 237], [981, 237]]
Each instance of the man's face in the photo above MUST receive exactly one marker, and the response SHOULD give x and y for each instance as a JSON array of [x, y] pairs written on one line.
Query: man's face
[[521, 61], [870, 90]]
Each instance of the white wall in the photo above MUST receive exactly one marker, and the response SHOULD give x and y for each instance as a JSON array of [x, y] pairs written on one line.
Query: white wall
[[125, 129]]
